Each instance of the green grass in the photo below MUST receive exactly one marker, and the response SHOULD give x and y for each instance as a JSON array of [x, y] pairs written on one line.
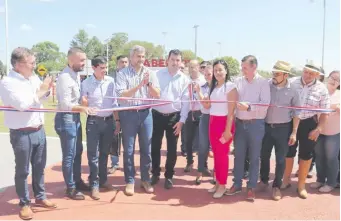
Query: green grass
[[49, 120]]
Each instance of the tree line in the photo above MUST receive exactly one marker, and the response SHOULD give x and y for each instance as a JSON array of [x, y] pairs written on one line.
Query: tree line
[[48, 53]]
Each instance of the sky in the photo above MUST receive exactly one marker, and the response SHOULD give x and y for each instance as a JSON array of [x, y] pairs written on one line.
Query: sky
[[289, 30]]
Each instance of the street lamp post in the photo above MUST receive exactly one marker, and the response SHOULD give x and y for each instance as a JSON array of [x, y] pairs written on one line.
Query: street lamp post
[[324, 30], [164, 44], [7, 47], [219, 44], [196, 39]]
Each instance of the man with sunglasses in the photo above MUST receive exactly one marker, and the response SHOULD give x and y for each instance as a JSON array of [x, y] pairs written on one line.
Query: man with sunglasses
[[313, 94], [280, 132]]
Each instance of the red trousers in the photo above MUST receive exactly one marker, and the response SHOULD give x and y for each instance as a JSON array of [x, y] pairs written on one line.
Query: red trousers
[[221, 151]]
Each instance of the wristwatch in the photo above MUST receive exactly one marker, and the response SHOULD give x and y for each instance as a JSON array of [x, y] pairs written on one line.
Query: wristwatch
[[149, 84], [249, 108]]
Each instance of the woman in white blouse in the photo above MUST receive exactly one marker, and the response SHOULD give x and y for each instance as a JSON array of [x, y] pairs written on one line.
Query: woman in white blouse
[[328, 145], [221, 125]]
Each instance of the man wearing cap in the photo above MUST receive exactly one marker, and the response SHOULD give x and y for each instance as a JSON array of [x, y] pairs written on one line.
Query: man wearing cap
[[313, 94], [279, 131]]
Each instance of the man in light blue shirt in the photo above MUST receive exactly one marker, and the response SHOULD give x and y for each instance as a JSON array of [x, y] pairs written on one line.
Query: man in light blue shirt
[[97, 92], [136, 81], [170, 117]]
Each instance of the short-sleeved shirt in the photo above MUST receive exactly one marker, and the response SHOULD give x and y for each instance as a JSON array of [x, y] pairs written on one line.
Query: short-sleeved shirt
[[220, 94], [127, 78], [313, 95]]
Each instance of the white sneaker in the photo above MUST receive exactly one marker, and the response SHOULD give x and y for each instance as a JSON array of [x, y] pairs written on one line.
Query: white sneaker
[[316, 185], [213, 189], [326, 189], [220, 192]]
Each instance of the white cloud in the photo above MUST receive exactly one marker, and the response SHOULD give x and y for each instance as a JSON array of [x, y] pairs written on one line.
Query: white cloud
[[2, 9], [25, 27], [90, 26]]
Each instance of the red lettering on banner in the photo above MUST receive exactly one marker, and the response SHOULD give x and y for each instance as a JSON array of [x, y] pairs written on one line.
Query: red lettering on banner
[[146, 63], [154, 63], [161, 63]]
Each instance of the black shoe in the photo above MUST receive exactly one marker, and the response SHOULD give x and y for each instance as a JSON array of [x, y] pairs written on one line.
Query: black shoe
[[75, 194], [198, 180], [81, 186], [207, 173], [168, 184], [188, 168], [154, 180], [246, 175]]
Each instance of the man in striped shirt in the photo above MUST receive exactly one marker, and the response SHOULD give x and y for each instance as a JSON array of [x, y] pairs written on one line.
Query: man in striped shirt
[[136, 81]]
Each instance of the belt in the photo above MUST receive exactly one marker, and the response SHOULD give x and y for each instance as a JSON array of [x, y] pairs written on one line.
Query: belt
[[100, 118], [30, 128], [278, 125], [246, 121], [138, 110], [165, 114]]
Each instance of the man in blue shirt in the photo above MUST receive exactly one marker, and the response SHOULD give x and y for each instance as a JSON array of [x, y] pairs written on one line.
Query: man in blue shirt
[[97, 92]]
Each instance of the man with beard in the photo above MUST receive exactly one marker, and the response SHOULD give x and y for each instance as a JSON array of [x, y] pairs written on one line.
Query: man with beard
[[68, 124], [136, 81], [280, 132], [170, 117]]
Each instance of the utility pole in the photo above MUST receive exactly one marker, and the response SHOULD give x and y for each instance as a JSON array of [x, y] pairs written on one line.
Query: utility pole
[[164, 44], [196, 40]]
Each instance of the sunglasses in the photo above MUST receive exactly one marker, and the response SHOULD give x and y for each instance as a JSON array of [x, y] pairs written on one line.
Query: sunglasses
[[182, 68], [202, 67]]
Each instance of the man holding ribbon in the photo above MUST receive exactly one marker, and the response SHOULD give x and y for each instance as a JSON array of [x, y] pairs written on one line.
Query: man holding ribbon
[[136, 81], [68, 124], [22, 90], [280, 126], [97, 91], [313, 94]]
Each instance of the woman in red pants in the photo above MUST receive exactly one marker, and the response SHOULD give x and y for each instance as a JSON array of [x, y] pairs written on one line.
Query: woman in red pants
[[221, 125]]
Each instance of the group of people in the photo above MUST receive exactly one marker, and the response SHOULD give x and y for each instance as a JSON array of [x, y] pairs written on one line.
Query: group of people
[[209, 109]]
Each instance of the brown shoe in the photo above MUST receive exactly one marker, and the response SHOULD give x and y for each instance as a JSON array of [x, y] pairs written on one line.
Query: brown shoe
[[107, 187], [233, 190], [147, 187], [129, 191], [26, 213], [276, 194], [95, 194], [46, 204], [250, 195]]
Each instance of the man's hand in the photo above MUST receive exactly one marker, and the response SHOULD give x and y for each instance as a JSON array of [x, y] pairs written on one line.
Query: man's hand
[[47, 84], [117, 127], [314, 134], [177, 128], [195, 86], [84, 101], [242, 106], [90, 110], [146, 78], [292, 139]]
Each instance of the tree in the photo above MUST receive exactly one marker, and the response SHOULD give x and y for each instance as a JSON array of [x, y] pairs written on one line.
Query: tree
[[94, 47], [233, 65], [265, 74], [188, 55], [81, 40], [152, 51], [2, 68], [48, 54], [296, 71]]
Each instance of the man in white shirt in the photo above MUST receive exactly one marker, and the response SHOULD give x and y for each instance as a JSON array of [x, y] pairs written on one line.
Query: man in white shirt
[[22, 90], [192, 123]]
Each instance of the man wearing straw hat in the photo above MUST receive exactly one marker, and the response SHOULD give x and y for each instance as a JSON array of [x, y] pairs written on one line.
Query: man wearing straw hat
[[313, 94], [279, 131]]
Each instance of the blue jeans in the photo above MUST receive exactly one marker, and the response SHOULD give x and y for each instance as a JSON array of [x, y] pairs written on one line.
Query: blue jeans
[[248, 137], [204, 143], [133, 123], [327, 163], [69, 129], [115, 161], [99, 136], [29, 146]]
